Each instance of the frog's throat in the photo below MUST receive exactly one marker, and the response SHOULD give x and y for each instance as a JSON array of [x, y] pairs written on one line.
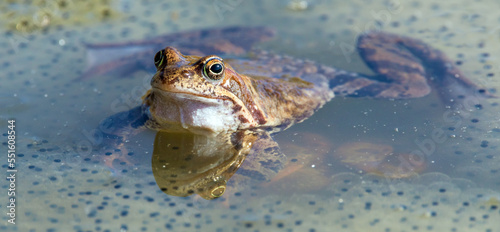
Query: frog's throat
[[198, 114]]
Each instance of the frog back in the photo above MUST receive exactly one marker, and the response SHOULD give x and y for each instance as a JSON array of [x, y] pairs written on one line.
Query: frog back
[[286, 89]]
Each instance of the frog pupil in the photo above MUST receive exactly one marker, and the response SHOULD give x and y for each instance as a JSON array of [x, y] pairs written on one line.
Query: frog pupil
[[216, 68]]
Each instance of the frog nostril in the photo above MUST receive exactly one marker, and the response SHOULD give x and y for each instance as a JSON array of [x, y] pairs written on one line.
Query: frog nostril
[[186, 73], [172, 56]]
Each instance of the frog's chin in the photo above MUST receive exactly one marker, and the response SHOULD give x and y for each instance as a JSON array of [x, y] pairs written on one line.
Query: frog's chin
[[197, 114]]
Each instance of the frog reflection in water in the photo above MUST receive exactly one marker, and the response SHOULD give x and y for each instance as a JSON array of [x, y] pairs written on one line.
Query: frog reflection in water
[[186, 163], [243, 101]]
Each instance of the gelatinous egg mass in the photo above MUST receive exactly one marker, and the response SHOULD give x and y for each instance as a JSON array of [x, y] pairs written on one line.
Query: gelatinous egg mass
[[29, 16]]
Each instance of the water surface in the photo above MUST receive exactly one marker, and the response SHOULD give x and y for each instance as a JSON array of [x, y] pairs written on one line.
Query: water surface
[[60, 189]]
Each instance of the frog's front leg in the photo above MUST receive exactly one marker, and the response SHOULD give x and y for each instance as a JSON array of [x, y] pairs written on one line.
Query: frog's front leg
[[118, 128], [405, 68]]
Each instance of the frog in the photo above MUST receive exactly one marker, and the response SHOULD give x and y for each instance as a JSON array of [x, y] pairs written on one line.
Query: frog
[[216, 85]]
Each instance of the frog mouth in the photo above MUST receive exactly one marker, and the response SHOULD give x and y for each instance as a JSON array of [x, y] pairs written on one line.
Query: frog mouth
[[186, 95], [197, 113]]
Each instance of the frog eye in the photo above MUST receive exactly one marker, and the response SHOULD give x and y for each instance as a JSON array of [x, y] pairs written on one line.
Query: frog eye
[[217, 192], [213, 69], [159, 57]]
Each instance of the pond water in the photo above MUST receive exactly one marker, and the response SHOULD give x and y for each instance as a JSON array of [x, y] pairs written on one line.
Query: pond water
[[60, 184]]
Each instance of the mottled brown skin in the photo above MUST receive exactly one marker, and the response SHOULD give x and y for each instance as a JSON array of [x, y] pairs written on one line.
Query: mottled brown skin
[[266, 93], [254, 101]]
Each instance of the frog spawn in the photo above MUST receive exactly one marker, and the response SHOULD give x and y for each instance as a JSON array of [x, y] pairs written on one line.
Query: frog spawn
[[120, 204], [352, 201], [31, 16]]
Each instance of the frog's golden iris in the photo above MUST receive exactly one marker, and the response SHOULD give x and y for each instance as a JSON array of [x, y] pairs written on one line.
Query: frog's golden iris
[[213, 69]]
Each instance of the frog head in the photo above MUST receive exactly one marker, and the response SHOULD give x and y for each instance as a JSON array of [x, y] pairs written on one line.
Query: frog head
[[203, 95]]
